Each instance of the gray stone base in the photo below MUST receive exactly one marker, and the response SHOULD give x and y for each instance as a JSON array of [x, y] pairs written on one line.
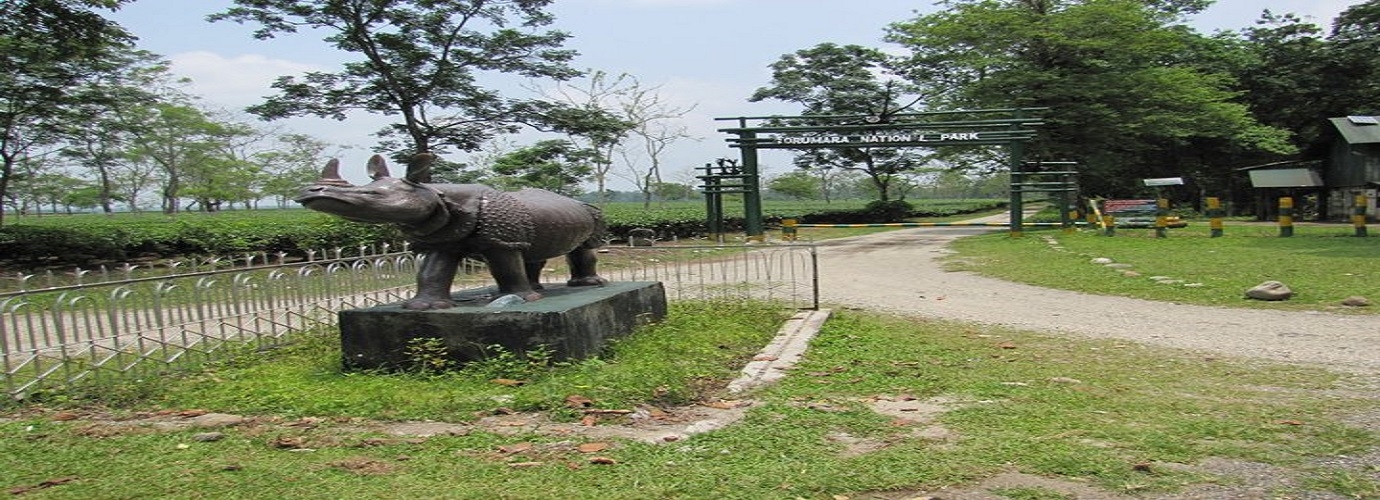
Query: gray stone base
[[573, 322]]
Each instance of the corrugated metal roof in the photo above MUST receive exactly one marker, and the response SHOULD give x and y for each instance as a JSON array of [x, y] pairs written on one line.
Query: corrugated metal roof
[[1357, 131]]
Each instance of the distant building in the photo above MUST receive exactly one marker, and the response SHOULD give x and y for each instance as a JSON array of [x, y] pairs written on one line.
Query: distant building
[[1353, 165]]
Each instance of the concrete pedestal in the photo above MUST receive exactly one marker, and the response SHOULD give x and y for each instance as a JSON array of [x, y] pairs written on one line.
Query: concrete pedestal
[[573, 322]]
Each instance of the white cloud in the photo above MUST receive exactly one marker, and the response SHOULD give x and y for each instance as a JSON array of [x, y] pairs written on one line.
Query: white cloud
[[234, 81]]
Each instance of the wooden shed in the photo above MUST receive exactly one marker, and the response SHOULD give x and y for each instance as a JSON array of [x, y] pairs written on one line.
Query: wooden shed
[[1353, 164]]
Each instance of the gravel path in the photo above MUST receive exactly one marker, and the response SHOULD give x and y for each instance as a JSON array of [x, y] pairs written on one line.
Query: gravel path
[[899, 272]]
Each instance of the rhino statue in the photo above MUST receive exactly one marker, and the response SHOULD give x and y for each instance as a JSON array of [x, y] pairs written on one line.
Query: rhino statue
[[513, 232]]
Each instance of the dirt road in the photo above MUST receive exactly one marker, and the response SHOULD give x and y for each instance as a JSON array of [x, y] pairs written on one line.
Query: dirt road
[[898, 272]]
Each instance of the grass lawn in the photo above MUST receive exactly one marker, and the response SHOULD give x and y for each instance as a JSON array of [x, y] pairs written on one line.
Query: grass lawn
[[1109, 414], [1322, 264]]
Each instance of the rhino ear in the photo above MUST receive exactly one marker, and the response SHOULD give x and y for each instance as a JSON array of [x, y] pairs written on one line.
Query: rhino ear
[[378, 168], [331, 174], [419, 167]]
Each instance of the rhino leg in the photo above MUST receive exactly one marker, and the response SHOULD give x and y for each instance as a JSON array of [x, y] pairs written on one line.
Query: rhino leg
[[534, 268], [434, 279], [582, 263], [510, 272]]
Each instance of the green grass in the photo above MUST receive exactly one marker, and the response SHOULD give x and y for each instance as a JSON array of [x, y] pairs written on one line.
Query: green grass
[[1109, 414], [1322, 264], [1086, 411]]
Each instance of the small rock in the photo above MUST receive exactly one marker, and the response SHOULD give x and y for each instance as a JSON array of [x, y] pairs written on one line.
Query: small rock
[[1270, 290], [212, 420], [1102, 260], [1356, 301], [207, 437], [1130, 274], [1119, 266], [1065, 380]]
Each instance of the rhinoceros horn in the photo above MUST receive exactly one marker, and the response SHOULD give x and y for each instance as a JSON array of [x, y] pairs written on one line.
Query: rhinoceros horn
[[331, 174], [378, 168]]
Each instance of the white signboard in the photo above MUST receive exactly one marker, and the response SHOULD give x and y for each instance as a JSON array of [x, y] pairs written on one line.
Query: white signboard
[[1285, 177]]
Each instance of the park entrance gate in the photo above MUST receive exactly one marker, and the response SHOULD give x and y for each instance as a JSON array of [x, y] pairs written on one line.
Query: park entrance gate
[[1010, 127]]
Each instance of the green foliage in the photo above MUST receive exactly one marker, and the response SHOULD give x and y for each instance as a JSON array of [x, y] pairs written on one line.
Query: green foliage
[[86, 239], [1131, 93], [501, 363], [90, 238], [410, 56], [427, 356], [888, 211]]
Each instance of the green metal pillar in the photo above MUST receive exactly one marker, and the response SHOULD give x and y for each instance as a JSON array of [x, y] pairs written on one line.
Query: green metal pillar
[[1017, 181], [752, 195]]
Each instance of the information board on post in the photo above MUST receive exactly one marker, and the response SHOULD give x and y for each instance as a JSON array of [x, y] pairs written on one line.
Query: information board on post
[[1112, 207]]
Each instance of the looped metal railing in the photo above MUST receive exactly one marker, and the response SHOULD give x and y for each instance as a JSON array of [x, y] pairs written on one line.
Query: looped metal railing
[[89, 328]]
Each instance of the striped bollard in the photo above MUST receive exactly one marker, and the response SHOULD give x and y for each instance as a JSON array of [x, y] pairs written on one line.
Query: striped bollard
[[1109, 225], [1161, 217], [1358, 215], [1286, 216], [788, 229], [1214, 213]]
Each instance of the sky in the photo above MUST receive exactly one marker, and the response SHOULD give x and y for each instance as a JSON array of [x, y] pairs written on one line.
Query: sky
[[704, 55]]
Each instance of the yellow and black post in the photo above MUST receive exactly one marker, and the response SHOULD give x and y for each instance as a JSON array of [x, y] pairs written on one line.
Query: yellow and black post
[[1214, 213], [1161, 217], [1286, 216], [1358, 215]]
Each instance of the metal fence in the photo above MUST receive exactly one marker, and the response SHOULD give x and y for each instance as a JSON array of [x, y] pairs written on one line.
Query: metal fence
[[89, 325]]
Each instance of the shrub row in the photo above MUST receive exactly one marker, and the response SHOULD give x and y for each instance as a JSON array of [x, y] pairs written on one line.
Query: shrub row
[[86, 240]]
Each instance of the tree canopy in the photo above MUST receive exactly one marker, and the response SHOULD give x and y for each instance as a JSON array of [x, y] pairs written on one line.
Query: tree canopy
[[420, 60]]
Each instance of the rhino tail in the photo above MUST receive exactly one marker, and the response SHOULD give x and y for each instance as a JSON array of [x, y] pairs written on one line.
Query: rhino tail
[[600, 229]]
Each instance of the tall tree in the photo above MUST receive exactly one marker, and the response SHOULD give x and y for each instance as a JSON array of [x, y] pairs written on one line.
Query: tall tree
[[1128, 94], [602, 94], [48, 48], [136, 82], [831, 79], [1352, 46], [553, 165], [420, 60], [295, 162], [189, 148]]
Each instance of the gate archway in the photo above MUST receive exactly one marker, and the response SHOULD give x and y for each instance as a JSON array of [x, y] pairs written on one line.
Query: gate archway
[[1009, 127]]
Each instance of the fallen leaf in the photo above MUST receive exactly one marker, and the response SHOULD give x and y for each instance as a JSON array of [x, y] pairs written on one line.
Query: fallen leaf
[[1007, 345], [602, 461], [1291, 422], [508, 382], [64, 416], [589, 420], [515, 448], [764, 357], [593, 447], [578, 401], [520, 465]]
